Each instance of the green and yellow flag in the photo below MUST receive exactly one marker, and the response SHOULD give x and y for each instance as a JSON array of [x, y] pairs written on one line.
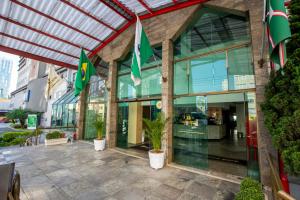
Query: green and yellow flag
[[84, 73], [278, 30]]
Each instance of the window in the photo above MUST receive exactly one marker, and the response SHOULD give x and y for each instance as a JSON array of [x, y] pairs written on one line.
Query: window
[[213, 54], [212, 30], [151, 77]]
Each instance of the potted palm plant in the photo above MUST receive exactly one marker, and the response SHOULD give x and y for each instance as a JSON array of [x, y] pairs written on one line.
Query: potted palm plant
[[155, 132], [99, 142]]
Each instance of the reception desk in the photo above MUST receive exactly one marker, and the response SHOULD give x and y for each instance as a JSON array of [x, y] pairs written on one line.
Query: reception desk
[[211, 132], [216, 132]]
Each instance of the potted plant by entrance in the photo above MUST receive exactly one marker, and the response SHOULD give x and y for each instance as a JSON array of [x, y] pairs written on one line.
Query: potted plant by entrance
[[155, 131], [99, 142]]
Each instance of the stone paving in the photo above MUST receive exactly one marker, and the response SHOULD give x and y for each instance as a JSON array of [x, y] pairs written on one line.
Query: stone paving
[[76, 171]]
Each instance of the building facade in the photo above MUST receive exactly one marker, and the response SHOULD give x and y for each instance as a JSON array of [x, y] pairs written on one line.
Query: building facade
[[205, 77], [6, 66]]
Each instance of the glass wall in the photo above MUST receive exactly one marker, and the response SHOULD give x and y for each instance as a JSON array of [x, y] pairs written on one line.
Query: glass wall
[[131, 130], [151, 78], [214, 118], [64, 111], [95, 105]]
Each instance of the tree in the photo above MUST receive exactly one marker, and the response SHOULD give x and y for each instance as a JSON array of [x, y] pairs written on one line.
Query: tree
[[19, 114], [282, 105]]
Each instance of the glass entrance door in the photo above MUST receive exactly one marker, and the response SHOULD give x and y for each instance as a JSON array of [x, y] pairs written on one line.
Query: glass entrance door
[[131, 133], [190, 131]]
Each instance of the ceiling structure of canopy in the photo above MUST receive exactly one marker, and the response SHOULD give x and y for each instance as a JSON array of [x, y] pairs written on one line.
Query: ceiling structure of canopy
[[54, 31]]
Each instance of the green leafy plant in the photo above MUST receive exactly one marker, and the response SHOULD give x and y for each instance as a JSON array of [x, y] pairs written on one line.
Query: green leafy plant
[[54, 135], [250, 190], [99, 126], [282, 99], [14, 138], [154, 131]]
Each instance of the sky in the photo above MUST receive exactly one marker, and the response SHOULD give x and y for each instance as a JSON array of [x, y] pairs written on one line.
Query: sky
[[13, 82]]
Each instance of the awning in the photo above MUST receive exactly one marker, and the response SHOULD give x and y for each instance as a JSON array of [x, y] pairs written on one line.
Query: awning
[[54, 31]]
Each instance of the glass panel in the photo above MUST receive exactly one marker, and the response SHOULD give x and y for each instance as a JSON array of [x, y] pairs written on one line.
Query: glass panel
[[240, 69], [96, 104], [212, 30], [204, 74], [131, 130], [53, 115], [91, 112], [124, 66], [64, 115], [190, 131], [150, 85], [122, 131], [253, 167], [226, 128], [151, 77]]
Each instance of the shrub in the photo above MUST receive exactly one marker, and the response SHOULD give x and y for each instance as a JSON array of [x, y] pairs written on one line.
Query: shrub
[[14, 138], [282, 99], [54, 135], [250, 190]]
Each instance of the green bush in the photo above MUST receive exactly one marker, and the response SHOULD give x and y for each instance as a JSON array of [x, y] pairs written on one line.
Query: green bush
[[250, 190], [14, 138], [282, 99], [54, 135]]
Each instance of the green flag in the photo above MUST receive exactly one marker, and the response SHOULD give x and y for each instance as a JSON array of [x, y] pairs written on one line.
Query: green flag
[[278, 30], [142, 52], [84, 73]]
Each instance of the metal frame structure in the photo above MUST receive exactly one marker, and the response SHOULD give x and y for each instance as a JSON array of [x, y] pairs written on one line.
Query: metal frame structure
[[66, 49]]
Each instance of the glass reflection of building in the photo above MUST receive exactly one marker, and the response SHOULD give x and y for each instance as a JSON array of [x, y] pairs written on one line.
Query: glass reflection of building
[[214, 91]]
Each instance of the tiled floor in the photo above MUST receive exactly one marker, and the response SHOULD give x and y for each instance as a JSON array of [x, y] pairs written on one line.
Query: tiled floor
[[76, 171]]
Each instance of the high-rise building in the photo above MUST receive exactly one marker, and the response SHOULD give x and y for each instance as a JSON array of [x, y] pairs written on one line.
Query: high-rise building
[[5, 76]]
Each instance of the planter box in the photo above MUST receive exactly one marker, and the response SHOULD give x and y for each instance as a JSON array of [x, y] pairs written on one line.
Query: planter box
[[56, 141]]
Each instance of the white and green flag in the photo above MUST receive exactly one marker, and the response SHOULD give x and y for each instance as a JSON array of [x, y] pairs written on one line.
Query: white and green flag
[[278, 30], [141, 53]]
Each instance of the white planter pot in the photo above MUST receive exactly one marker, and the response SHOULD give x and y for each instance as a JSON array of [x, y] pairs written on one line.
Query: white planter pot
[[99, 144], [157, 160], [56, 141]]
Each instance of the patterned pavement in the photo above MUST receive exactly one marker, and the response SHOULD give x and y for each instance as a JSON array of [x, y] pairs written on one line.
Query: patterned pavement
[[77, 171]]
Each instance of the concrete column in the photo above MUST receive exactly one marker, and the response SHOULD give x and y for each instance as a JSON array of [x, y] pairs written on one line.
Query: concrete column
[[261, 79], [111, 115], [82, 109], [167, 95]]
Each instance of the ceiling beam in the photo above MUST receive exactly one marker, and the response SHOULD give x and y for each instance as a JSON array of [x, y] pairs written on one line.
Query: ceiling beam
[[127, 10], [36, 57], [178, 6], [54, 19], [116, 10], [145, 6], [41, 32], [36, 44], [175, 1], [67, 2]]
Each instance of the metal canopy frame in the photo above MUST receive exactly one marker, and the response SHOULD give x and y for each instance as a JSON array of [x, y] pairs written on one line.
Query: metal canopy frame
[[55, 31]]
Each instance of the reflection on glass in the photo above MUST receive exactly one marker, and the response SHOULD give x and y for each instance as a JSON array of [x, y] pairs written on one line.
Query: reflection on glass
[[190, 131], [253, 167], [96, 105], [131, 130], [212, 30], [151, 77]]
